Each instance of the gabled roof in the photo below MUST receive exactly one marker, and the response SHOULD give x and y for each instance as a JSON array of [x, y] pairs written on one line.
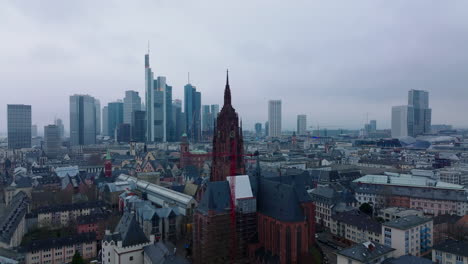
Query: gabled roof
[[282, 201], [358, 219], [459, 248], [163, 253], [59, 242], [129, 231], [216, 198], [365, 252], [407, 222], [407, 259]]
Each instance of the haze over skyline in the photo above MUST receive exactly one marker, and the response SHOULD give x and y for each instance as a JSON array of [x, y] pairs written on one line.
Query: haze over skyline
[[333, 62]]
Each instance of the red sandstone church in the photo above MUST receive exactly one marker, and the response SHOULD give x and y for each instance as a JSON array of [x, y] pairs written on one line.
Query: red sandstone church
[[275, 225]]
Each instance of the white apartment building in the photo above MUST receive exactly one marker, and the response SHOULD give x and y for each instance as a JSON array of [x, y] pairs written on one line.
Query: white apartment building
[[451, 252], [61, 250], [408, 235]]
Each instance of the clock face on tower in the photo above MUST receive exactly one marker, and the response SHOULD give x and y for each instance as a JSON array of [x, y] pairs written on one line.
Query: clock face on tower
[[232, 133]]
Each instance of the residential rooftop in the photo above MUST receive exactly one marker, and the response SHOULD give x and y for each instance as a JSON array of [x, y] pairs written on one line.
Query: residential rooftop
[[366, 252], [455, 247], [407, 222], [59, 242]]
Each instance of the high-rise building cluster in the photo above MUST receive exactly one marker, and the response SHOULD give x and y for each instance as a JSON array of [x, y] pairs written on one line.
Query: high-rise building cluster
[[413, 119]]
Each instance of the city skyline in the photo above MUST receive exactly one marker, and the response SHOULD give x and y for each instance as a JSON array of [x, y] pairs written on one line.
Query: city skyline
[[370, 75]]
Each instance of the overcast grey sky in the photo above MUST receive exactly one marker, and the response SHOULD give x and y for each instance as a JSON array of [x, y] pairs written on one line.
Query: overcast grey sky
[[332, 61]]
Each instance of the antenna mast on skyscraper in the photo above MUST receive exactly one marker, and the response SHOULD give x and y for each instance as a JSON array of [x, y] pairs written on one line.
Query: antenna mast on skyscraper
[[148, 46], [188, 77]]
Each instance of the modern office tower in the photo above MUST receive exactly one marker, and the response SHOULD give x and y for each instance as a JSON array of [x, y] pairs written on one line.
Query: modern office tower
[[301, 125], [159, 110], [139, 126], [149, 100], [123, 133], [258, 129], [207, 121], [215, 110], [170, 127], [419, 100], [59, 123], [274, 118], [178, 119], [97, 105], [132, 102], [82, 120], [197, 116], [19, 126], [402, 121], [373, 125], [114, 117], [52, 141], [34, 131], [105, 121], [267, 129], [192, 108]]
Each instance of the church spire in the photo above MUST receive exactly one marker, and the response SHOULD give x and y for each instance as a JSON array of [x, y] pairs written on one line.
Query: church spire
[[227, 91]]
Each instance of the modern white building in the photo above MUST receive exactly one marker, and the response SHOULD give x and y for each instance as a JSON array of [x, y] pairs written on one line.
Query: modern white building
[[391, 213], [301, 125], [402, 121], [408, 235], [274, 118]]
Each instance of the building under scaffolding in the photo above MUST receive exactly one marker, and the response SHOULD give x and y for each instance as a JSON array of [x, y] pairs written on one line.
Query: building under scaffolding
[[213, 239]]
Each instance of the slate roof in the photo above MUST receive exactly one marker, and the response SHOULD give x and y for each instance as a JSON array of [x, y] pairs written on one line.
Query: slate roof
[[23, 182], [128, 231], [361, 252], [216, 198], [91, 218], [358, 219], [282, 201], [11, 216], [446, 218], [69, 207], [163, 253], [426, 193], [407, 222], [459, 248], [407, 259], [59, 242]]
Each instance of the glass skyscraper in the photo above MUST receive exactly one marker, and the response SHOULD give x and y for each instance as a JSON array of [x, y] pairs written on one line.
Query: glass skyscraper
[[52, 141], [132, 103], [19, 126], [419, 100], [192, 108], [82, 120], [115, 112]]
